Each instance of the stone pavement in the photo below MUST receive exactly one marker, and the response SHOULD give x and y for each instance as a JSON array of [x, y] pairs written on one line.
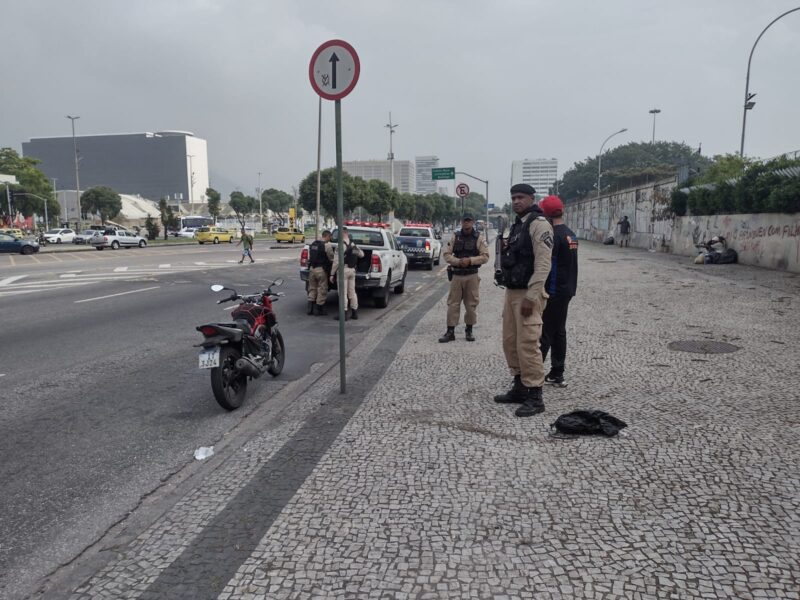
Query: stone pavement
[[416, 485]]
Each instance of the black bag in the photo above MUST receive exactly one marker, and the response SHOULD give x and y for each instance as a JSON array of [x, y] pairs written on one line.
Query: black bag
[[588, 422], [609, 241]]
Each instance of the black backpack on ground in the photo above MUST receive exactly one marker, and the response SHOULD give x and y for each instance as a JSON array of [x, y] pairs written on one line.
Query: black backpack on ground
[[588, 422]]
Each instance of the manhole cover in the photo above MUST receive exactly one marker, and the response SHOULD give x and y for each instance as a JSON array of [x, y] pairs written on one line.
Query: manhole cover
[[703, 346]]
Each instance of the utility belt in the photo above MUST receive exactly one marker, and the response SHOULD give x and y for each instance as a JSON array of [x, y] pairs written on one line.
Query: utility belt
[[464, 271]]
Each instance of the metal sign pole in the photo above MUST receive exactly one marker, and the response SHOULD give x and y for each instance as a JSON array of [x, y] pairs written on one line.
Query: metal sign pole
[[319, 155], [342, 286]]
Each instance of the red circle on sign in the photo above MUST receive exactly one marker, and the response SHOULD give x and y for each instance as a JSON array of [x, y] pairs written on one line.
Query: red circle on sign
[[349, 88], [462, 190]]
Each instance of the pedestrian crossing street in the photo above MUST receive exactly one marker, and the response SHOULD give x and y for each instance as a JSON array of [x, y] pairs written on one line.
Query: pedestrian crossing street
[[49, 282]]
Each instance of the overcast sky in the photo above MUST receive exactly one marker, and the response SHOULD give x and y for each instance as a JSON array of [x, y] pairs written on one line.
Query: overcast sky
[[478, 83]]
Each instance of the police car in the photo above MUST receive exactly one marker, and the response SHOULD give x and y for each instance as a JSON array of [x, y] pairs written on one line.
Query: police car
[[383, 268]]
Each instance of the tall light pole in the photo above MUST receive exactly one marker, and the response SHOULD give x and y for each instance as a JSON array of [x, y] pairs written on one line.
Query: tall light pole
[[391, 127], [654, 112], [55, 193], [319, 157], [260, 206], [600, 156], [748, 97], [191, 179], [77, 176]]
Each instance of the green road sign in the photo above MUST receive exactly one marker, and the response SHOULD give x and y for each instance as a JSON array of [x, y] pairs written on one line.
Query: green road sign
[[445, 173]]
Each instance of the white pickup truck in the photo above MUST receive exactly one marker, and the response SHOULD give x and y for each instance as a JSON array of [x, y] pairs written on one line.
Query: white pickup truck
[[421, 244], [383, 268]]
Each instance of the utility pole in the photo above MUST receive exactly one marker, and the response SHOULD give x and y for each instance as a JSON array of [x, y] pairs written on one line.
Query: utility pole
[[319, 156], [77, 176], [391, 127], [654, 112], [55, 196], [191, 179], [260, 206]]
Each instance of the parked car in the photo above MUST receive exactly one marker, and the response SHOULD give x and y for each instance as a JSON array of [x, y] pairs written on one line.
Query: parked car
[[290, 235], [85, 236], [421, 244], [383, 268], [117, 238], [58, 236], [15, 245], [213, 234], [186, 232], [13, 232]]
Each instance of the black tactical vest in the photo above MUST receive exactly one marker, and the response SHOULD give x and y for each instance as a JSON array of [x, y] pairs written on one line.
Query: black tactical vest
[[517, 258], [317, 257], [465, 246], [350, 257]]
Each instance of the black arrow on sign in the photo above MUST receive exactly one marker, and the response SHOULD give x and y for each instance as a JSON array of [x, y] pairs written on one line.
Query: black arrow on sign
[[333, 60]]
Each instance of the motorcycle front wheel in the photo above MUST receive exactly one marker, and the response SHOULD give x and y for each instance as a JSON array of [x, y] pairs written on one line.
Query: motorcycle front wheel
[[228, 385], [278, 356]]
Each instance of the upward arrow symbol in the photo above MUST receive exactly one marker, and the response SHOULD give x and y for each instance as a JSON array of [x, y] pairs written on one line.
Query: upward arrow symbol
[[333, 60]]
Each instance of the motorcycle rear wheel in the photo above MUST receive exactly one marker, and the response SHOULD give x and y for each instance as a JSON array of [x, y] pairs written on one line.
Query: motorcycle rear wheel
[[228, 386]]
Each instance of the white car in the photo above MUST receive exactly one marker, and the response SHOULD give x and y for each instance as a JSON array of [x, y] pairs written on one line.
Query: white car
[[117, 238], [186, 232], [59, 236]]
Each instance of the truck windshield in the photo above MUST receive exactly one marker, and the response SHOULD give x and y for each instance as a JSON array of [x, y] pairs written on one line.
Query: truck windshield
[[363, 238]]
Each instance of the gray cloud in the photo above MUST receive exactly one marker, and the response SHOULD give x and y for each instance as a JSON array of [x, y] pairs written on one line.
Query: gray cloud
[[477, 83]]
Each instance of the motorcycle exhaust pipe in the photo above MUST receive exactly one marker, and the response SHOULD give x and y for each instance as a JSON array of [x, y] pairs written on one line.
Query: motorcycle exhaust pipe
[[247, 367]]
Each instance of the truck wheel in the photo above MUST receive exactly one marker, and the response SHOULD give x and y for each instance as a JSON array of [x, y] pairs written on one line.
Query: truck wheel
[[115, 245], [399, 289], [429, 265], [438, 259], [382, 299]]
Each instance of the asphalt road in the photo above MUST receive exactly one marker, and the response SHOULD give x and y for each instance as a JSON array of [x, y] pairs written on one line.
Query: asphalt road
[[101, 395]]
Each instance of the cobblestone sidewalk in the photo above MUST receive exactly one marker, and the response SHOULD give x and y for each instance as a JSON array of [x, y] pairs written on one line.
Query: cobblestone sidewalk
[[431, 490]]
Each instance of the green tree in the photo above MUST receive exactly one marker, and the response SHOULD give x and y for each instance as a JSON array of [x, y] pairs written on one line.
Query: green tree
[[628, 165], [214, 203], [405, 207], [242, 205], [152, 228], [168, 218], [31, 181], [308, 192], [380, 198], [723, 167], [102, 201], [277, 201]]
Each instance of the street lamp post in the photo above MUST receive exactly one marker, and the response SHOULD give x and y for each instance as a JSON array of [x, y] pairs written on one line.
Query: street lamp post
[[260, 206], [748, 97], [600, 156], [191, 179], [654, 112], [55, 197], [391, 127], [77, 176]]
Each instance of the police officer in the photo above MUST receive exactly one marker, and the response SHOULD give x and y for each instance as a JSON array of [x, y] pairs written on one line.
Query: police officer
[[525, 264], [347, 284], [320, 262], [465, 252]]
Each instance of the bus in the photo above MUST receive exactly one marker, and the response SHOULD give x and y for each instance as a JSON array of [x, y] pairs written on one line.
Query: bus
[[195, 221]]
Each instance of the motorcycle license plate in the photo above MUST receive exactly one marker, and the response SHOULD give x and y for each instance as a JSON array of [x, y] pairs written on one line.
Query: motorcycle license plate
[[209, 358]]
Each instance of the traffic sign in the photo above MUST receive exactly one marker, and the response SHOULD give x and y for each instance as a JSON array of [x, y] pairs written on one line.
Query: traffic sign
[[334, 69], [490, 206], [462, 189], [444, 173]]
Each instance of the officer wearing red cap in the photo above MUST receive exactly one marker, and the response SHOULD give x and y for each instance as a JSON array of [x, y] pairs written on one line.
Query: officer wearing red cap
[[561, 285]]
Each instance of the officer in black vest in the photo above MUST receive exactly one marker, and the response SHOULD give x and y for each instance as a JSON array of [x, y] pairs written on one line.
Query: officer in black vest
[[525, 263], [320, 261], [465, 252], [347, 283]]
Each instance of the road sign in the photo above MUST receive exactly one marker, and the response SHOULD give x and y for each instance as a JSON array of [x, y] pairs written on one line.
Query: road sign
[[462, 189], [444, 173], [334, 69], [490, 206]]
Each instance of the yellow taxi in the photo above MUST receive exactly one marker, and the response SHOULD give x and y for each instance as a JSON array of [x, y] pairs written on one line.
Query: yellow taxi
[[213, 234], [17, 233], [289, 234]]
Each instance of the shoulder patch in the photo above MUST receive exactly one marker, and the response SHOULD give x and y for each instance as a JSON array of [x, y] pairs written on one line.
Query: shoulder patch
[[547, 239]]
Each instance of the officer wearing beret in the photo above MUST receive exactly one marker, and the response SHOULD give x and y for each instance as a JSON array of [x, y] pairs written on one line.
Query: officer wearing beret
[[465, 252], [525, 264]]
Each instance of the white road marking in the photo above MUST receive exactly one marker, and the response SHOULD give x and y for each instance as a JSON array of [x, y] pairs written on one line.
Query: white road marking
[[67, 275], [2, 374], [164, 266], [155, 287], [199, 263], [120, 269], [9, 280]]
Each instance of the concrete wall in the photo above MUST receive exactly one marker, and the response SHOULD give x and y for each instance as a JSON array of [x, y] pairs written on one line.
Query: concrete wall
[[769, 240]]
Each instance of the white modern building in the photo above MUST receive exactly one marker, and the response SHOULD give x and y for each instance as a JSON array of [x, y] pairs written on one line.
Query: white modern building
[[380, 169], [425, 183], [164, 164], [541, 173]]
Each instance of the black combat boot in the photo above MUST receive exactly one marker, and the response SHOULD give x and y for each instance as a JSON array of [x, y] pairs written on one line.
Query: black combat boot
[[449, 335], [346, 315], [516, 395], [321, 310], [310, 308], [354, 314], [470, 337], [532, 403]]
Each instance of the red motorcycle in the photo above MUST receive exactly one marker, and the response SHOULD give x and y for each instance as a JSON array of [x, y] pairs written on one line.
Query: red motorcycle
[[245, 349]]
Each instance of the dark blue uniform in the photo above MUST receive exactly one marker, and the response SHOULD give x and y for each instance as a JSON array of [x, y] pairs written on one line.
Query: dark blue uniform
[[561, 285]]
